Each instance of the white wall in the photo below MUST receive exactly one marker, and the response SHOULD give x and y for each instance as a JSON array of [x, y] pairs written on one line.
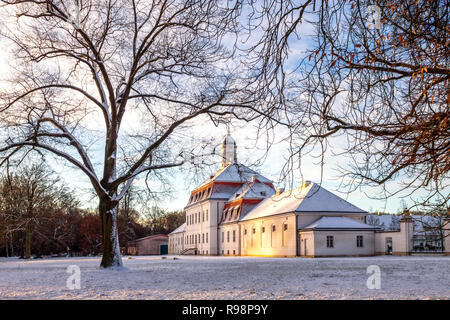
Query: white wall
[[401, 240], [226, 244], [265, 242], [344, 243]]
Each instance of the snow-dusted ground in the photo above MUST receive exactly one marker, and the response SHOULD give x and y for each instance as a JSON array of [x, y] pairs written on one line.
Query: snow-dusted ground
[[194, 277]]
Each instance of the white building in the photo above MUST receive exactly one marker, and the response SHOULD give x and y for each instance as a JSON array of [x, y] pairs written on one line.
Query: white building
[[237, 211]]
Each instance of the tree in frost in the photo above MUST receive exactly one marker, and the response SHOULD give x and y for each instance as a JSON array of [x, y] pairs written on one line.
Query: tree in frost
[[81, 69]]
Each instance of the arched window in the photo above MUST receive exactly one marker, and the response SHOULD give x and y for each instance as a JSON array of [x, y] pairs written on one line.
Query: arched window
[[253, 234], [272, 235], [284, 233]]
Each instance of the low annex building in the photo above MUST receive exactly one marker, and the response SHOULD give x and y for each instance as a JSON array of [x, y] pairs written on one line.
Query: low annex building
[[154, 244], [237, 211]]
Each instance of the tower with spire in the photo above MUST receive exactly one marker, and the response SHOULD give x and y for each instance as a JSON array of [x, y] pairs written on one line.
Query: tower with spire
[[229, 152]]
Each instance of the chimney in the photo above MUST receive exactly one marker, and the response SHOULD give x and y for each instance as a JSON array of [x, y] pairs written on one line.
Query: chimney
[[279, 191]]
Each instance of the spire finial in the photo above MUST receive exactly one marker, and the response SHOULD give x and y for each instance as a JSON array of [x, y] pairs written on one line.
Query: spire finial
[[228, 122]]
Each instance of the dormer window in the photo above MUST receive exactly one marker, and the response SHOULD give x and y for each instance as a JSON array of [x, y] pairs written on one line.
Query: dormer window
[[225, 214], [237, 211]]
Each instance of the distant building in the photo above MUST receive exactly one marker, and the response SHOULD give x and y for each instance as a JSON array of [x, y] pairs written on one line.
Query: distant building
[[154, 244], [237, 211]]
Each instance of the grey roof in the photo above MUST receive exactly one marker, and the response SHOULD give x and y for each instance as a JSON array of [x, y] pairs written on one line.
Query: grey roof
[[308, 198], [338, 223], [236, 172], [181, 228]]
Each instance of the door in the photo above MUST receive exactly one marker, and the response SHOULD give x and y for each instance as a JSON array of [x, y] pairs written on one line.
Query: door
[[163, 249], [389, 245]]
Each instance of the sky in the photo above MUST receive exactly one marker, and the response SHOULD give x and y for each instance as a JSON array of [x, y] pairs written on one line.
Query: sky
[[248, 153]]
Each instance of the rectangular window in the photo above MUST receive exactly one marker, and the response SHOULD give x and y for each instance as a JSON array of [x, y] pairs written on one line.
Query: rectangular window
[[203, 238], [203, 217], [285, 227], [359, 241], [207, 213], [273, 228], [330, 242], [263, 229], [207, 237], [254, 230], [245, 231], [228, 236], [234, 235], [223, 236]]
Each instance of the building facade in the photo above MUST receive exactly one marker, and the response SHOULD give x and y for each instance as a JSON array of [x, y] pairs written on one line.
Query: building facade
[[237, 211], [154, 244]]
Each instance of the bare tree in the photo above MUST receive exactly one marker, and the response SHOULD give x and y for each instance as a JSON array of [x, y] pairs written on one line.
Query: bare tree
[[376, 73], [80, 68]]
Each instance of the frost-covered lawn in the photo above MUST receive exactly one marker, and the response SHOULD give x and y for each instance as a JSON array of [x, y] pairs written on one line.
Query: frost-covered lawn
[[193, 277]]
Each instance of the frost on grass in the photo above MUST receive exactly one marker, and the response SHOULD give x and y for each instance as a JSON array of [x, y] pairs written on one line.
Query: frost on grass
[[190, 277]]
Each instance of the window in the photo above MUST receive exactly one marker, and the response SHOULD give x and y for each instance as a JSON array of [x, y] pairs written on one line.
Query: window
[[330, 242], [203, 238], [228, 236], [285, 226], [206, 215], [237, 212], [234, 235], [207, 239], [225, 214], [359, 241], [263, 229], [254, 231], [223, 236], [203, 217], [234, 252], [245, 231], [273, 228]]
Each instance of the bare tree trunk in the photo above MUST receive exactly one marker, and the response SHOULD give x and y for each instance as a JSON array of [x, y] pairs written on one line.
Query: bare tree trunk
[[11, 245], [6, 245], [28, 232], [111, 248]]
